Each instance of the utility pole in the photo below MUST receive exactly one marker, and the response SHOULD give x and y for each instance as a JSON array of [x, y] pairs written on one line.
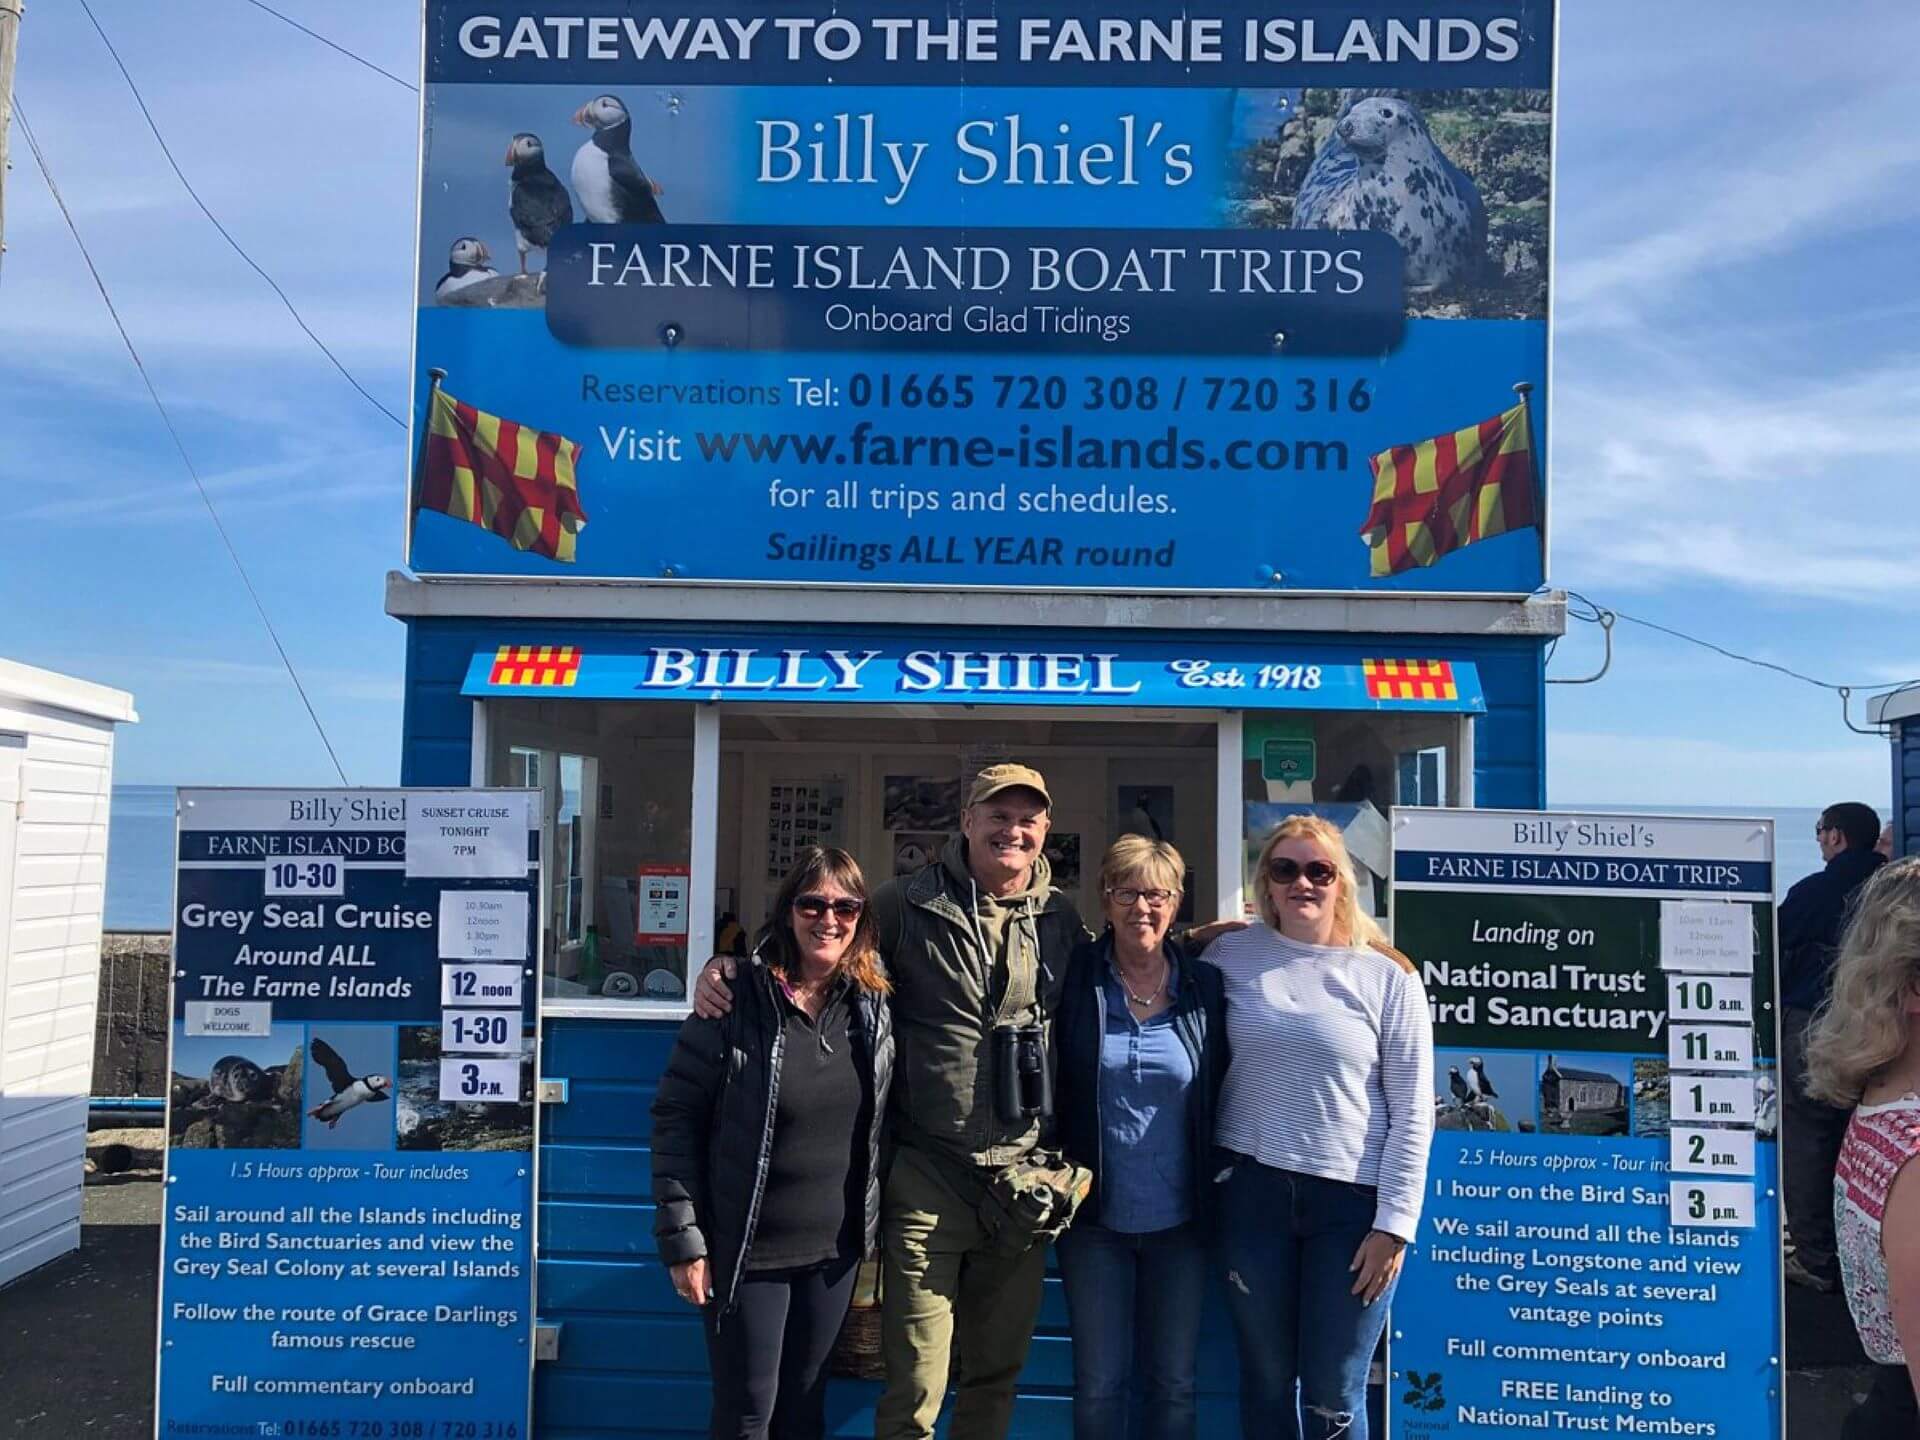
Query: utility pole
[[10, 12]]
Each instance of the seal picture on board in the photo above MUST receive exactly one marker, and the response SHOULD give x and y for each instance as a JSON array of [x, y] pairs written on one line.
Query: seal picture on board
[[1386, 174], [235, 1078], [1458, 179], [234, 1092]]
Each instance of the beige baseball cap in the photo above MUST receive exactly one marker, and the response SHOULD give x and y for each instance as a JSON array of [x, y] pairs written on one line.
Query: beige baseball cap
[[996, 779]]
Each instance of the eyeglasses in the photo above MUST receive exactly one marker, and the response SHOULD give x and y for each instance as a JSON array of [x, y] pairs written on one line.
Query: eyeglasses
[[1126, 896], [812, 907], [1282, 871]]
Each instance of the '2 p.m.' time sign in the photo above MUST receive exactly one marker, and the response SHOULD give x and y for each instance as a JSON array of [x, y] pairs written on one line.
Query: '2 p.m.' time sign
[[1231, 297]]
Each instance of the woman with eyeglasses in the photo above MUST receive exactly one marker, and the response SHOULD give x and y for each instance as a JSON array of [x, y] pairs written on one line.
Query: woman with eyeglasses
[[1140, 1051], [766, 1151], [1325, 1118]]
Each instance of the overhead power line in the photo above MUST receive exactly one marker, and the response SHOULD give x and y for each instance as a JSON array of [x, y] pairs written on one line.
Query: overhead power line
[[1605, 616], [214, 220], [46, 173], [1835, 686], [332, 45]]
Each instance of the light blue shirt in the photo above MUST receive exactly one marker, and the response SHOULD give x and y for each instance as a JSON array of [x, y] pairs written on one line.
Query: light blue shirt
[[1146, 1161]]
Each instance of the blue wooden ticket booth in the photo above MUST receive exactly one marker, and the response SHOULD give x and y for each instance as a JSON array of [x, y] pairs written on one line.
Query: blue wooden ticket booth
[[690, 739]]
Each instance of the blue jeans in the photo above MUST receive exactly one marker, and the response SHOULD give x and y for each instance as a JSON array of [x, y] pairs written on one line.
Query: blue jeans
[[1133, 1302], [1305, 1339]]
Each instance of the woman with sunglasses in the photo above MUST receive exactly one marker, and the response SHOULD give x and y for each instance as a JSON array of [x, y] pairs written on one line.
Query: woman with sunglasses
[[1325, 1118], [766, 1152], [1140, 1049]]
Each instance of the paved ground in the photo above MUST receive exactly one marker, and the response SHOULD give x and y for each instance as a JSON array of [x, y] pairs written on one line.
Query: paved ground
[[77, 1336]]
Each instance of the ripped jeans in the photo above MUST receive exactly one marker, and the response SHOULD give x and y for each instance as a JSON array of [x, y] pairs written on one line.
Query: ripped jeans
[[1305, 1340]]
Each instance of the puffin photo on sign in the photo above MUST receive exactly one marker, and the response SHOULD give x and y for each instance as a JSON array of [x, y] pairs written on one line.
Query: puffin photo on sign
[[349, 1087]]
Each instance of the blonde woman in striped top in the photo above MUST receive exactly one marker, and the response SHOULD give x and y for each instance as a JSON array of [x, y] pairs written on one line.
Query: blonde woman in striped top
[[1863, 1050], [1325, 1115]]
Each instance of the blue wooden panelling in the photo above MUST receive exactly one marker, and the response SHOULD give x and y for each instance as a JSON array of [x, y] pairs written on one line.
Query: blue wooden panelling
[[1906, 788], [632, 1356], [595, 1171]]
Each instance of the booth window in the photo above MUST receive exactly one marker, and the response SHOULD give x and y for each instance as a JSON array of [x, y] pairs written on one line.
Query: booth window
[[1349, 767], [617, 783], [1423, 777], [570, 852]]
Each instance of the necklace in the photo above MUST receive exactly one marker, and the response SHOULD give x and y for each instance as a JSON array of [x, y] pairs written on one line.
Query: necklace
[[1152, 995], [810, 993]]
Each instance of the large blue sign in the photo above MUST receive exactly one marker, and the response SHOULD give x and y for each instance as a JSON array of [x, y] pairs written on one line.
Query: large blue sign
[[884, 670], [348, 1240], [1126, 301], [1600, 1247]]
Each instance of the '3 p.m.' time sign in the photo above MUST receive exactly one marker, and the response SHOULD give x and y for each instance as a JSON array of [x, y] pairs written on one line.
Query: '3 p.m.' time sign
[[1242, 295]]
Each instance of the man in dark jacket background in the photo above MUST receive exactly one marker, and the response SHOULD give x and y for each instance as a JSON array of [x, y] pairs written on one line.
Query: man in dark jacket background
[[1811, 920]]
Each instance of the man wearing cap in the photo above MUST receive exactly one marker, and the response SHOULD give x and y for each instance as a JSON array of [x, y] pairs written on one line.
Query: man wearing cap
[[973, 942]]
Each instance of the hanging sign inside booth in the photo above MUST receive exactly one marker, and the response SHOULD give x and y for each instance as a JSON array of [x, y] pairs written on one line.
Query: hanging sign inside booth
[[1600, 1246], [662, 894], [347, 1247], [1237, 296]]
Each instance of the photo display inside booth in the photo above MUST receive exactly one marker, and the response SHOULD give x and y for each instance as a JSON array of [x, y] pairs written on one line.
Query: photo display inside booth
[[1601, 1240], [1230, 297], [347, 1247]]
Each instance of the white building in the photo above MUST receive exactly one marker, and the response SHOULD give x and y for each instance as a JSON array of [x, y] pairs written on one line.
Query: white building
[[56, 784]]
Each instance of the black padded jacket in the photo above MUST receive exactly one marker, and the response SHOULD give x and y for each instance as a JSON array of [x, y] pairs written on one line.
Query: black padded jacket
[[713, 1117]]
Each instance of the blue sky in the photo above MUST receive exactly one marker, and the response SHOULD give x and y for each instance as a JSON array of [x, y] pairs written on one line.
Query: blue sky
[[1735, 386]]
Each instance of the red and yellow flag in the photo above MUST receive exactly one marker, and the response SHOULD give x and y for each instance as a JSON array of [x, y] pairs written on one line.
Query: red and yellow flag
[[1410, 680], [535, 665], [505, 477], [1432, 498]]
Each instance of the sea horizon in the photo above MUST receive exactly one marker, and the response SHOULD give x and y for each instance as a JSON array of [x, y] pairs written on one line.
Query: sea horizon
[[139, 893]]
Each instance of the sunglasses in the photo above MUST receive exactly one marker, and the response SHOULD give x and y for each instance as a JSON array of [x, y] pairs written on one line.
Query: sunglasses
[[812, 907], [1282, 871]]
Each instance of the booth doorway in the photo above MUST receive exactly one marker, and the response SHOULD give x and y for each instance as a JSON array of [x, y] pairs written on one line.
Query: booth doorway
[[671, 823], [889, 786]]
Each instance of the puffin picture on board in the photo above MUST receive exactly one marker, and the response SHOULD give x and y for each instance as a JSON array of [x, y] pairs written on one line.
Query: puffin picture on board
[[467, 265], [349, 1089], [537, 202], [612, 187]]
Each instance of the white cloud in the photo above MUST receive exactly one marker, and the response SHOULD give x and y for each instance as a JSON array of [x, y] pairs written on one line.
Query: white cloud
[[1630, 769], [1740, 162], [153, 671], [1777, 486], [1894, 672], [307, 480]]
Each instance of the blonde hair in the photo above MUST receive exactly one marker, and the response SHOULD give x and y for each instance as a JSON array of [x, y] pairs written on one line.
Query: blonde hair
[[1350, 925], [1154, 860], [1863, 1026]]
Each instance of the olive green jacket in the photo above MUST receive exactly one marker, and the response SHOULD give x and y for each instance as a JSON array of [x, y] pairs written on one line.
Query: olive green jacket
[[948, 994]]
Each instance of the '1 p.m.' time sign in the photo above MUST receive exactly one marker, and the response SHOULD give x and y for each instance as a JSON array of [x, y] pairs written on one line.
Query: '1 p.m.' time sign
[[1239, 297]]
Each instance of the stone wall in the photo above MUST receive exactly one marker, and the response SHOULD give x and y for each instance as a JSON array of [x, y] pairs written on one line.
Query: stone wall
[[130, 1032]]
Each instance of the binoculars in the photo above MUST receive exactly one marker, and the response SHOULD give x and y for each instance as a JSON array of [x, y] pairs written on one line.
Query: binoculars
[[1022, 1079]]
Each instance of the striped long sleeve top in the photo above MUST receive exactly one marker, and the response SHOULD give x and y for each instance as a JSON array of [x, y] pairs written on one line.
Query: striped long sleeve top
[[1332, 1070]]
